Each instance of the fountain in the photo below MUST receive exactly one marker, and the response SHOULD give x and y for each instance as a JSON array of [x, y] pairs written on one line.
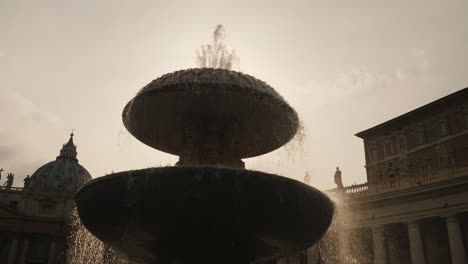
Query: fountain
[[208, 208]]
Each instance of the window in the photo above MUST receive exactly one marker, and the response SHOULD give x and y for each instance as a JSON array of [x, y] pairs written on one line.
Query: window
[[419, 139], [372, 154], [443, 128], [390, 165], [13, 204], [402, 142], [465, 120], [388, 148], [424, 167]]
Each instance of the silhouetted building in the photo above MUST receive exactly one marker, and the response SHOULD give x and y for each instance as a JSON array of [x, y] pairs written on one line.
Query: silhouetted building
[[33, 219], [414, 207]]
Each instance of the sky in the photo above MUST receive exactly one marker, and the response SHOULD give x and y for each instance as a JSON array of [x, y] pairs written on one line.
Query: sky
[[344, 66]]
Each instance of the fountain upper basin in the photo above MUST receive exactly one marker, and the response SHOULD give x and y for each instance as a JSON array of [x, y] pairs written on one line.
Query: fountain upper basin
[[234, 113], [203, 215]]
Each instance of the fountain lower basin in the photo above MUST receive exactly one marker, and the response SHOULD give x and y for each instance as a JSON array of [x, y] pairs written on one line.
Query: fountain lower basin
[[203, 214]]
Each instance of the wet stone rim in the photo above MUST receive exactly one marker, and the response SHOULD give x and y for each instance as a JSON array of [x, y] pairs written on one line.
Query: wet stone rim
[[210, 75]]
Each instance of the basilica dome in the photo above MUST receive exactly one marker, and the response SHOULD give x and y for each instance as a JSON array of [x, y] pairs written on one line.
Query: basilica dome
[[64, 174]]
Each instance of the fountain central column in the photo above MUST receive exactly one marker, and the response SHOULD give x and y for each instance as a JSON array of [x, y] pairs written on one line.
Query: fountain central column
[[207, 139]]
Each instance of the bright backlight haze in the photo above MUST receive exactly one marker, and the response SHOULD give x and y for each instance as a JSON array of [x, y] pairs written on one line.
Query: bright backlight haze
[[343, 65]]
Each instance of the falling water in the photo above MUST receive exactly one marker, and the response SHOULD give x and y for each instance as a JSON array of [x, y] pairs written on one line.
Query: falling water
[[342, 244], [352, 244], [84, 248]]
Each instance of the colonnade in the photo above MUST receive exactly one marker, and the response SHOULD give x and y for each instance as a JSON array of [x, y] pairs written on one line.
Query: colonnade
[[386, 247], [19, 251]]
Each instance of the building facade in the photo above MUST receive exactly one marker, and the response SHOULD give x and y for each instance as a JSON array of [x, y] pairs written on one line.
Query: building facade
[[414, 206], [34, 218]]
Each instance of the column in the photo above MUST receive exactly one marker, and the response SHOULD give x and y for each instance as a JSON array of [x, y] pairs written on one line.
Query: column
[[380, 253], [432, 245], [52, 249], [457, 249], [13, 251], [394, 255], [416, 243], [24, 251]]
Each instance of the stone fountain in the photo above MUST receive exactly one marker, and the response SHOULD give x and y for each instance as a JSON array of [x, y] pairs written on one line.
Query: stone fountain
[[208, 208]]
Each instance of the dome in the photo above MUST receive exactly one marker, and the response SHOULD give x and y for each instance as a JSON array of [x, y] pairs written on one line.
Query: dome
[[64, 174]]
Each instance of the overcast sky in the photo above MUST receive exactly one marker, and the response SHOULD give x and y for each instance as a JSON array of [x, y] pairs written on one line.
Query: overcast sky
[[343, 65]]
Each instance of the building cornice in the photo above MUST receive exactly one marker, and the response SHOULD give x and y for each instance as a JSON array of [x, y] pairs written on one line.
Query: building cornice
[[426, 107], [457, 183]]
